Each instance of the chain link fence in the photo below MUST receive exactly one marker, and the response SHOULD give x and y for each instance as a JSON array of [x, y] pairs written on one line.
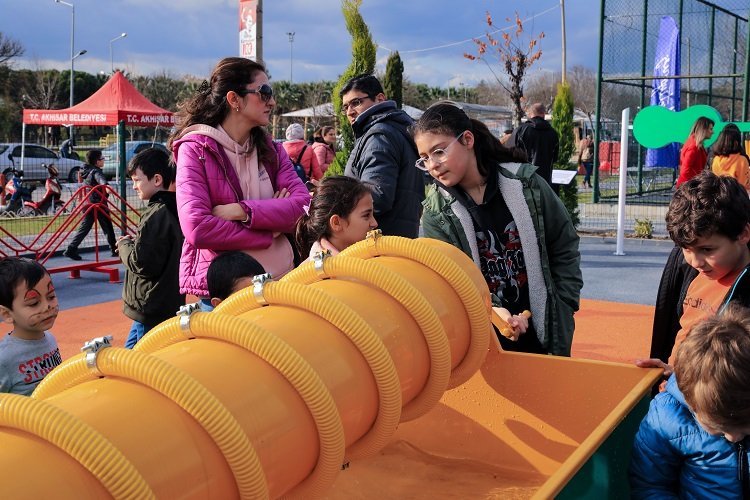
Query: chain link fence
[[713, 44]]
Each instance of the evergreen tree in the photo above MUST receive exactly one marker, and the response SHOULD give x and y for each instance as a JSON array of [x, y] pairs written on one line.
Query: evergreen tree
[[393, 81], [562, 122], [363, 61]]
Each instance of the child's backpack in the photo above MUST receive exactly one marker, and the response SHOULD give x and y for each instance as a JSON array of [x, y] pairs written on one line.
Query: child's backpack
[[299, 168]]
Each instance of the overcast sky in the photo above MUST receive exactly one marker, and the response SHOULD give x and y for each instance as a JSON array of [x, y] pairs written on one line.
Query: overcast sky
[[190, 36]]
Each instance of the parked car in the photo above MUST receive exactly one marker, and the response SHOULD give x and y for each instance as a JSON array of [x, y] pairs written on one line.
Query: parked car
[[132, 148], [36, 159]]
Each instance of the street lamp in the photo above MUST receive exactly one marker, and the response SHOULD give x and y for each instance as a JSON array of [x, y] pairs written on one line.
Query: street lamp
[[111, 61], [72, 42], [290, 34]]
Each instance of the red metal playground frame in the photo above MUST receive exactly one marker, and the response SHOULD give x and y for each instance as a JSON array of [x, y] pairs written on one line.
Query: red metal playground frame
[[71, 214]]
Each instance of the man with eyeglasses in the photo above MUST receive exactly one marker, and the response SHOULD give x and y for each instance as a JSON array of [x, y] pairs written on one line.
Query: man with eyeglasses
[[384, 155]]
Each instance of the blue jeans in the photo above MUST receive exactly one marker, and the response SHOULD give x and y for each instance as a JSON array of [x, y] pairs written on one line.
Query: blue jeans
[[137, 331], [206, 305], [589, 169]]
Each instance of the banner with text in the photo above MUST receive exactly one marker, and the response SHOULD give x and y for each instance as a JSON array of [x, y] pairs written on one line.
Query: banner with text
[[666, 91]]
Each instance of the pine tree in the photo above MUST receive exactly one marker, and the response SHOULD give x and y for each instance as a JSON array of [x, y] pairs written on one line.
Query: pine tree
[[562, 122], [363, 61], [394, 77]]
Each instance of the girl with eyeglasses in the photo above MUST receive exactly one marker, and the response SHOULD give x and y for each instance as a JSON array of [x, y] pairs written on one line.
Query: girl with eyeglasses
[[236, 188], [495, 208]]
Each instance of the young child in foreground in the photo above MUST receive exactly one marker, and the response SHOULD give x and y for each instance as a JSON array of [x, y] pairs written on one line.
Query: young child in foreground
[[28, 302], [151, 293], [709, 219], [341, 213], [230, 272], [693, 441]]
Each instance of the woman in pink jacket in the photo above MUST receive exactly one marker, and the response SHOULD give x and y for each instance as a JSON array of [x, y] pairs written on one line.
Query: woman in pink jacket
[[324, 140], [236, 188]]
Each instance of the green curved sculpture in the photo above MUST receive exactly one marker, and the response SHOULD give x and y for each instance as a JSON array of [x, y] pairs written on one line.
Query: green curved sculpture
[[656, 126]]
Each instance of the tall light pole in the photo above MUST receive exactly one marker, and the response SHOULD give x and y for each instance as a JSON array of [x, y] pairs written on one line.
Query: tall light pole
[[290, 34], [562, 20], [111, 60], [72, 45]]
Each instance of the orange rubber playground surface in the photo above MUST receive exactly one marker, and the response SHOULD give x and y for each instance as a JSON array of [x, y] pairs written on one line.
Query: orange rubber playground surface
[[605, 331]]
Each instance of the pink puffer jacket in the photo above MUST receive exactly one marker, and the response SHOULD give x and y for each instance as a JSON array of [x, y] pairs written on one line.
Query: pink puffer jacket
[[206, 178], [324, 153]]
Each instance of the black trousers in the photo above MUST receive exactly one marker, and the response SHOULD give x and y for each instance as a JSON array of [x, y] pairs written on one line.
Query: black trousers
[[88, 222]]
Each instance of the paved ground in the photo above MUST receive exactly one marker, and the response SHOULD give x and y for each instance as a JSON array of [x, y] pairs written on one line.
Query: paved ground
[[631, 278]]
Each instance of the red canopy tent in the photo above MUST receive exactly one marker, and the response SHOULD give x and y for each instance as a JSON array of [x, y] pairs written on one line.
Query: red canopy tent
[[117, 100], [116, 103]]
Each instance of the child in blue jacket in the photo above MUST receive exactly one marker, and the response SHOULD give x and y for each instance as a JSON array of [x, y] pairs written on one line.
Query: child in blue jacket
[[693, 442]]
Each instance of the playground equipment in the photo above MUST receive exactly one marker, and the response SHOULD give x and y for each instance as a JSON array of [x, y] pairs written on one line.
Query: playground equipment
[[343, 364]]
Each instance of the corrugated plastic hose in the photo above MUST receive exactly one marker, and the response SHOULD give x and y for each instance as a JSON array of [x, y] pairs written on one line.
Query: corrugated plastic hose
[[412, 300], [450, 271], [163, 335], [77, 439], [290, 365], [361, 335], [143, 366], [180, 388]]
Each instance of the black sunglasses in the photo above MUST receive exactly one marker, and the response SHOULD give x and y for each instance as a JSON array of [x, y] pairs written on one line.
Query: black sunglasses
[[265, 92]]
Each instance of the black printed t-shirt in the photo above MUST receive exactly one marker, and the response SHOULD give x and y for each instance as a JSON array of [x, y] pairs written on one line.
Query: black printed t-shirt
[[501, 260]]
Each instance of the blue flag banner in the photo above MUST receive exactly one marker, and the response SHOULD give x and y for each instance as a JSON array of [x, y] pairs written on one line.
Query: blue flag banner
[[666, 91]]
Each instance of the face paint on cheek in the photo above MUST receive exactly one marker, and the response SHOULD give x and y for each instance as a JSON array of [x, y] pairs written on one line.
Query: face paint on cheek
[[44, 317]]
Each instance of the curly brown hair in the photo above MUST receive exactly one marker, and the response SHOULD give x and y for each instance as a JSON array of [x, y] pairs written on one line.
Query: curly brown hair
[[705, 205]]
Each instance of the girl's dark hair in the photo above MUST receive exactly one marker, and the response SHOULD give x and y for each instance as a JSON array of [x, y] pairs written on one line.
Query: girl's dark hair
[[445, 117], [209, 104], [729, 141], [14, 270], [335, 195]]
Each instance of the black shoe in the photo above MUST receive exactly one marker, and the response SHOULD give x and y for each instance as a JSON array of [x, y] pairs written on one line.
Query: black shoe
[[115, 253], [72, 254]]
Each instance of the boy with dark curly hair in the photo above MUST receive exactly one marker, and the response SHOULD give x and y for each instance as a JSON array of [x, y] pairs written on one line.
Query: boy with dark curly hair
[[709, 220]]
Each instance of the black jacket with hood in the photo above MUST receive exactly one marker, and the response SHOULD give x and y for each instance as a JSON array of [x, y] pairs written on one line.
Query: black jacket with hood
[[151, 293], [384, 155], [539, 140]]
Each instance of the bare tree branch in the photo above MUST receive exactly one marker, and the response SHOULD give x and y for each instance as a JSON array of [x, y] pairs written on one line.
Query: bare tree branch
[[9, 49]]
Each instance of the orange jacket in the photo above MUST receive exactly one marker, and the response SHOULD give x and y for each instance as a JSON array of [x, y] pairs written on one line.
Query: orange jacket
[[734, 165]]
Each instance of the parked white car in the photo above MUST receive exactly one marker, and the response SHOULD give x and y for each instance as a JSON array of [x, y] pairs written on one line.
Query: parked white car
[[36, 158]]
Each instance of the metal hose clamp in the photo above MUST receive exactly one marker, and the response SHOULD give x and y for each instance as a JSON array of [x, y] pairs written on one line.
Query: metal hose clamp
[[319, 262], [92, 348], [185, 312], [259, 281]]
